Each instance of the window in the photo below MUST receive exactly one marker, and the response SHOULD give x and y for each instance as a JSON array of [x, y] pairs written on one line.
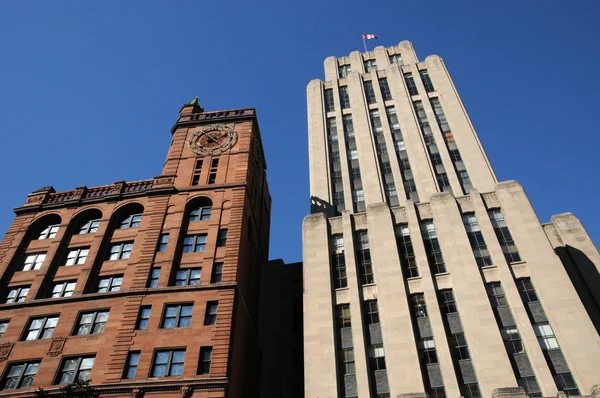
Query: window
[[344, 97], [427, 351], [3, 327], [370, 65], [20, 375], [63, 289], [131, 221], [496, 294], [120, 251], [91, 322], [194, 243], [343, 316], [329, 105], [143, 317], [34, 261], [162, 243], [369, 92], [432, 248], [470, 390], [49, 232], [385, 89], [545, 336], [197, 172], [177, 316], [447, 303], [217, 273], [363, 258], [205, 360], [75, 369], [343, 71], [347, 359], [211, 313], [565, 383], [214, 166], [168, 363], [512, 339], [17, 295], [222, 238], [377, 357], [418, 305], [132, 365], [202, 213], [526, 290], [90, 227], [372, 312], [407, 253], [530, 385], [110, 284], [410, 84], [480, 250], [338, 262], [77, 256], [40, 328], [426, 80], [458, 346], [511, 253], [188, 277], [154, 277], [396, 59]]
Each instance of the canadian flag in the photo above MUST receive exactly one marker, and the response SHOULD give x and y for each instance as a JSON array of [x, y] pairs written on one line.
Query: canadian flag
[[369, 36]]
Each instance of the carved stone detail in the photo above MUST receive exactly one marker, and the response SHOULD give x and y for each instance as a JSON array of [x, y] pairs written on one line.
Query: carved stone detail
[[187, 391], [5, 351], [137, 393], [56, 346]]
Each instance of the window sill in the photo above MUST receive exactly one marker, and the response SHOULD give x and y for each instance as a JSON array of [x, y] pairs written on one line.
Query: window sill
[[516, 263], [341, 289], [368, 284], [416, 278], [442, 274]]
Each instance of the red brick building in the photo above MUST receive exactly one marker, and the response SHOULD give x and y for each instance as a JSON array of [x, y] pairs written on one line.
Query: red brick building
[[148, 288]]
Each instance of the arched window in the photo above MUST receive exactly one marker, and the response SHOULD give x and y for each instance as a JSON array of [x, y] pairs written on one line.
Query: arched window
[[199, 209], [46, 227], [88, 222], [130, 216]]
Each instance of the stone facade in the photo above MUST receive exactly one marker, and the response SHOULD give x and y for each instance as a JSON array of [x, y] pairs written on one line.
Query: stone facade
[[473, 296], [165, 203]]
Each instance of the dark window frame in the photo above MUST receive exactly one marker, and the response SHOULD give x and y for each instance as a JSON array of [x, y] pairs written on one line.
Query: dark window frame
[[131, 221], [76, 371], [211, 313], [143, 317], [111, 285], [196, 244], [22, 379], [180, 319], [217, 277], [96, 326], [132, 356], [42, 329], [169, 364], [90, 227]]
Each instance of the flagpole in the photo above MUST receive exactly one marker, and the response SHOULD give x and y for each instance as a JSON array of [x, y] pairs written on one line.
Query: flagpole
[[364, 42]]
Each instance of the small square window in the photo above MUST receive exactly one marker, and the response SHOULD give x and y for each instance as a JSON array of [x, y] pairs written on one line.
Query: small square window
[[110, 284], [34, 261], [49, 232], [177, 316], [77, 256], [17, 294], [188, 277], [63, 289], [168, 363], [91, 322], [132, 221], [90, 227]]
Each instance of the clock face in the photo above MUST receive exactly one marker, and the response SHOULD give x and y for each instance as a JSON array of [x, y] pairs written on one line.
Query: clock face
[[212, 139]]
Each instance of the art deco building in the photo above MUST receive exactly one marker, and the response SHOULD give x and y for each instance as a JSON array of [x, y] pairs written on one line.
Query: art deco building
[[422, 273], [148, 288]]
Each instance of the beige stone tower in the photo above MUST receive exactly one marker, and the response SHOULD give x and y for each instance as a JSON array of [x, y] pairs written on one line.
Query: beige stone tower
[[422, 273]]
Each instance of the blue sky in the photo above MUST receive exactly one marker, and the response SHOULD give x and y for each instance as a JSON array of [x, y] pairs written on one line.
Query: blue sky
[[89, 90]]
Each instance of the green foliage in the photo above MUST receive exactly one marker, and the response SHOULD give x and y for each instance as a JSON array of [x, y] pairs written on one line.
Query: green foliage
[[79, 389]]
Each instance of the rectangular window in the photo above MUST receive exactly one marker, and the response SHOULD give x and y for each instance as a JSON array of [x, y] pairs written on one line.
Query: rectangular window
[[370, 65], [217, 273], [110, 284], [214, 166], [526, 290], [197, 172], [205, 360], [329, 104], [17, 294], [143, 317], [344, 97], [447, 302], [91, 322], [75, 369], [34, 261], [427, 351], [410, 84], [154, 277], [132, 365], [512, 340], [432, 248], [545, 336], [222, 238], [376, 357], [338, 262], [396, 59], [496, 294], [385, 89], [458, 346], [509, 248], [480, 250], [77, 256], [63, 289], [194, 243], [363, 258], [40, 328], [371, 312], [132, 221], [343, 71], [188, 277], [20, 375], [426, 80], [343, 316], [3, 327], [162, 243], [419, 308], [49, 232], [177, 316], [90, 227], [201, 213], [168, 363], [407, 253], [347, 359], [210, 318], [120, 251], [369, 92]]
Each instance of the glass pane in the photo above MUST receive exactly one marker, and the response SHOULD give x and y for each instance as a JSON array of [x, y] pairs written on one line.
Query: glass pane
[[83, 375], [32, 368], [171, 311], [32, 335], [87, 363], [159, 370], [178, 356], [102, 316], [162, 357], [176, 370], [169, 323], [134, 359], [15, 370], [186, 310], [51, 322], [185, 321], [27, 381], [66, 378], [70, 364], [36, 324]]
